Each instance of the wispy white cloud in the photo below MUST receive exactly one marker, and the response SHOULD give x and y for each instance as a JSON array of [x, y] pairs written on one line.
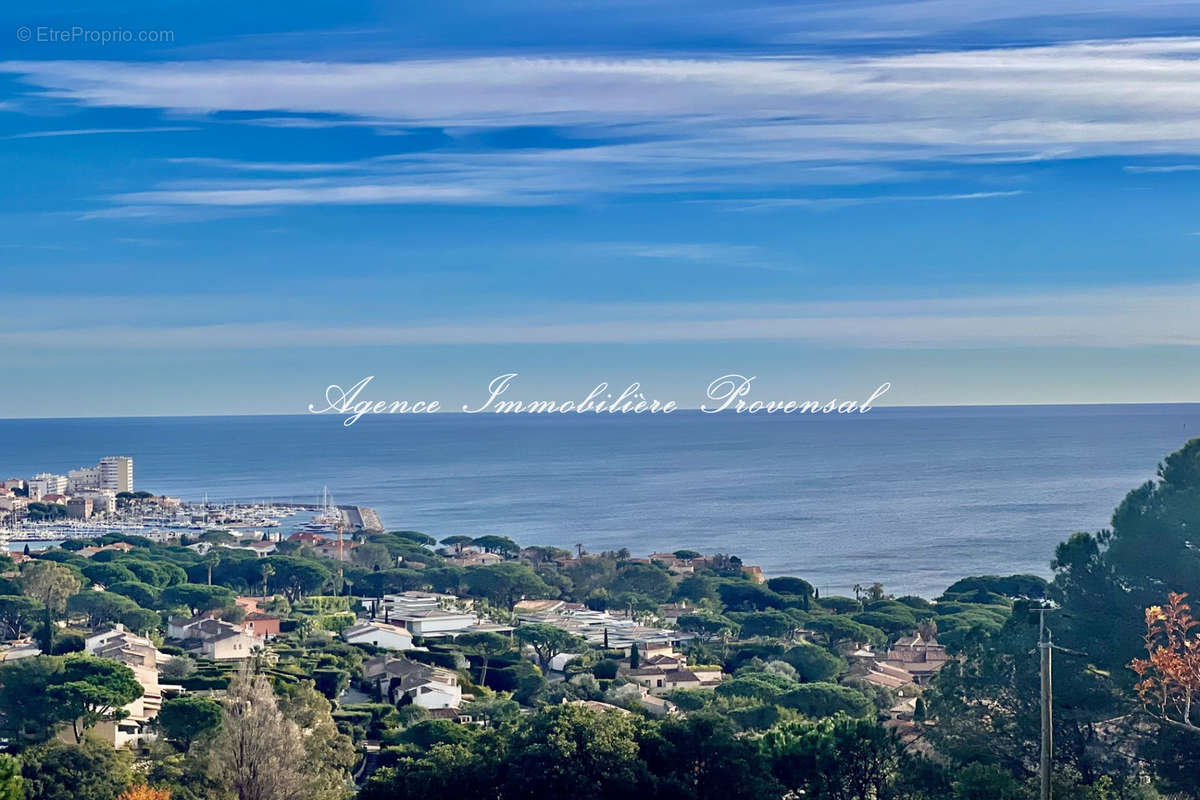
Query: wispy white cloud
[[908, 19], [270, 166], [93, 132], [1115, 318], [524, 177], [830, 203], [1165, 168], [359, 194], [683, 251], [165, 213], [714, 254], [668, 124], [140, 241], [999, 100]]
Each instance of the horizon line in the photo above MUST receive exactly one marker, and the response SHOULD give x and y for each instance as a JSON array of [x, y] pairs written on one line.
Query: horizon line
[[447, 413]]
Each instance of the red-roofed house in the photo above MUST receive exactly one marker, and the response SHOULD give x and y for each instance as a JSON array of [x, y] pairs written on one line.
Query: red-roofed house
[[260, 624], [310, 539]]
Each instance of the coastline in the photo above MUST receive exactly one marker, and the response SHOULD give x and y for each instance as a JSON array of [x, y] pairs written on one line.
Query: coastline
[[913, 497]]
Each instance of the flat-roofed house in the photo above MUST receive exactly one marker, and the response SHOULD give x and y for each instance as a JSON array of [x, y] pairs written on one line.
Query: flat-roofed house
[[435, 621], [379, 634]]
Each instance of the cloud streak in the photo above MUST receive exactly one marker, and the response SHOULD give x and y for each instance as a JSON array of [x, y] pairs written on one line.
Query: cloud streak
[[663, 124], [1117, 318], [1162, 169], [1086, 96], [93, 132], [831, 203]]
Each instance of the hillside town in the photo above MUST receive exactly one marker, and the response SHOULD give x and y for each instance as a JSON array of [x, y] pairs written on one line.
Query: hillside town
[[466, 631], [80, 494], [392, 664]]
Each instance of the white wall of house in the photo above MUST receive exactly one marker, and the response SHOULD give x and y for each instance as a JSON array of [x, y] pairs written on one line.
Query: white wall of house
[[437, 695], [230, 648], [450, 622], [388, 640]]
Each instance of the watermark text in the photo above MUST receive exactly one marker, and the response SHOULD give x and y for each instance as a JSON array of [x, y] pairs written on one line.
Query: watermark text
[[81, 34]]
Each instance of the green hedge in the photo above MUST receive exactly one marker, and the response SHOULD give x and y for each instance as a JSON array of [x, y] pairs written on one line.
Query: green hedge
[[197, 683]]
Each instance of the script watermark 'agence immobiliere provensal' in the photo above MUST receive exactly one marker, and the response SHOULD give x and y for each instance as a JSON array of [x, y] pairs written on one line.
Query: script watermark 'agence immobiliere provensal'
[[728, 393]]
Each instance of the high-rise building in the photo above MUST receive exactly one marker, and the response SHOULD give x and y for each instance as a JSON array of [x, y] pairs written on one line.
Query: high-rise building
[[116, 473]]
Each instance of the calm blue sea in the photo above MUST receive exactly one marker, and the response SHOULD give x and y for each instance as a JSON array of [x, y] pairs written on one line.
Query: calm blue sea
[[912, 497]]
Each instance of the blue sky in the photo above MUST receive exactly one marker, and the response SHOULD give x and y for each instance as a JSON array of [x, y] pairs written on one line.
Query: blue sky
[[980, 202]]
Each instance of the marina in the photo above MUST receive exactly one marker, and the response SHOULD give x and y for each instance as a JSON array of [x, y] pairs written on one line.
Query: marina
[[163, 519]]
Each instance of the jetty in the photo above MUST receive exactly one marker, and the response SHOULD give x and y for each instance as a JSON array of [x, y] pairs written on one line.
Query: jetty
[[362, 518]]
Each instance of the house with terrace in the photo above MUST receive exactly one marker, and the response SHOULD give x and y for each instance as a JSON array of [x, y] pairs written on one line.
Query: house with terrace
[[430, 617], [603, 629], [402, 681], [144, 659], [214, 638], [664, 680]]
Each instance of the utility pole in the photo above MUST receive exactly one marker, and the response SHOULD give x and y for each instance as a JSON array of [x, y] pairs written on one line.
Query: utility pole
[[1045, 647]]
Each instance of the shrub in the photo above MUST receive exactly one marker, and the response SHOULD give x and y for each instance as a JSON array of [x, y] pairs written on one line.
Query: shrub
[[691, 699], [333, 622], [524, 680], [827, 699], [841, 605], [756, 717], [330, 682], [606, 670], [198, 683], [68, 642], [814, 663], [763, 686]]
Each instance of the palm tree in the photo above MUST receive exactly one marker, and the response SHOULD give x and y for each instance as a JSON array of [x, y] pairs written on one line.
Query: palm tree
[[211, 560], [267, 571]]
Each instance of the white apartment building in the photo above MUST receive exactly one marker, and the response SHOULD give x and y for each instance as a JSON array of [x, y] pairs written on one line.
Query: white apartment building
[[46, 483], [116, 473], [82, 479]]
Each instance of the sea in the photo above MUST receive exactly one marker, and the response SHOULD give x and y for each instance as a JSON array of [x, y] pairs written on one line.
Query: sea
[[913, 498]]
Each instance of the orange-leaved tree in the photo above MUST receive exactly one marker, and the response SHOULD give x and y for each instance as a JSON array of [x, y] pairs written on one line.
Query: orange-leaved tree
[[1170, 675]]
